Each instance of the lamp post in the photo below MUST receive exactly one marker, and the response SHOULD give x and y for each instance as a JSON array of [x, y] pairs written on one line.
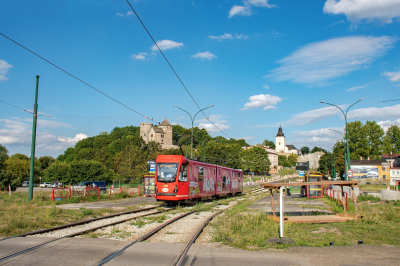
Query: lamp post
[[202, 144], [347, 137], [344, 151], [192, 119]]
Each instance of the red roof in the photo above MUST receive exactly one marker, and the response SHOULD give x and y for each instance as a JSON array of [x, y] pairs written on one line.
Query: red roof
[[388, 156]]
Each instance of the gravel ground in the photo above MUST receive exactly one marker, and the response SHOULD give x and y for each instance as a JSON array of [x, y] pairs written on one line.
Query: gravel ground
[[79, 228], [177, 232]]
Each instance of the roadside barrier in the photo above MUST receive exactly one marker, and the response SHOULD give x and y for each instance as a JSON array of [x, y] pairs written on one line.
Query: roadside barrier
[[133, 190], [336, 195], [115, 190], [92, 192], [61, 191]]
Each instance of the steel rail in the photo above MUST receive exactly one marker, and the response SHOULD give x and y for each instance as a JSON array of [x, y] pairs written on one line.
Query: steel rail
[[76, 234], [144, 237], [180, 258], [78, 223]]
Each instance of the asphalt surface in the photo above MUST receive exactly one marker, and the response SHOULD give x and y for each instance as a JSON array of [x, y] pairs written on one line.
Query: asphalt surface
[[91, 251]]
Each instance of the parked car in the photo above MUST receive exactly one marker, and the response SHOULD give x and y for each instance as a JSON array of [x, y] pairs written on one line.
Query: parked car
[[25, 183], [100, 184], [46, 184]]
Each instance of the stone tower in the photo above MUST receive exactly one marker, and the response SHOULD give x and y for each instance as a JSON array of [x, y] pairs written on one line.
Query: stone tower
[[144, 131], [280, 141], [166, 126]]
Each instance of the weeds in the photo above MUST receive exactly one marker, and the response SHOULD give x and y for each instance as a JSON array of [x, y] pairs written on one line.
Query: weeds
[[370, 198]]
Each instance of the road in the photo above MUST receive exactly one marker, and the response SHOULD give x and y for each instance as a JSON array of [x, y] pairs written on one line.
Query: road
[[90, 251]]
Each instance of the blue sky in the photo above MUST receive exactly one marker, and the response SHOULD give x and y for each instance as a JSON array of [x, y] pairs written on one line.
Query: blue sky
[[261, 63]]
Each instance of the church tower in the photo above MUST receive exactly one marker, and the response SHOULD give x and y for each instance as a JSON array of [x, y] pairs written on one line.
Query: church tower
[[280, 141]]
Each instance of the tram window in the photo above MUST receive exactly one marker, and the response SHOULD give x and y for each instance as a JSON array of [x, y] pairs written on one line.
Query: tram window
[[223, 181], [183, 173], [200, 173]]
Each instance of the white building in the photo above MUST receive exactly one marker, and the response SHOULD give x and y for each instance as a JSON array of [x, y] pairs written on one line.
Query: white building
[[394, 175], [312, 158], [281, 146]]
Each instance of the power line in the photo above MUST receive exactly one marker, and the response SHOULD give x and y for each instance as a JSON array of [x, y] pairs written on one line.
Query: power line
[[16, 107], [72, 75], [176, 74]]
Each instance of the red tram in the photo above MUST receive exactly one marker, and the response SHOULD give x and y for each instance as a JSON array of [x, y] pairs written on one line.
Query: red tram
[[179, 179]]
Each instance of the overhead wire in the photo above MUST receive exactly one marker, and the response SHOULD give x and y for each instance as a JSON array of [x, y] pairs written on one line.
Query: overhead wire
[[90, 86], [176, 74]]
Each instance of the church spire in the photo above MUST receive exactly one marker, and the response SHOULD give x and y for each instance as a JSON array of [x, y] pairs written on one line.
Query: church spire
[[280, 133]]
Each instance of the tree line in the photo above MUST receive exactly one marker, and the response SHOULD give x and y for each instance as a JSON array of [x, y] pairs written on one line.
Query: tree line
[[123, 154], [366, 141]]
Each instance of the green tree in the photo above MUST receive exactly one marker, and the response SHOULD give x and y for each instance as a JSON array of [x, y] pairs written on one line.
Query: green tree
[[3, 157], [269, 143], [338, 151], [292, 159], [325, 163], [19, 168], [358, 140], [283, 161], [45, 162], [305, 150], [375, 135], [255, 159], [316, 149], [391, 141]]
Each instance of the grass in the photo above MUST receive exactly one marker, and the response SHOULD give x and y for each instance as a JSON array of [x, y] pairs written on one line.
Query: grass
[[372, 187], [244, 228], [18, 216]]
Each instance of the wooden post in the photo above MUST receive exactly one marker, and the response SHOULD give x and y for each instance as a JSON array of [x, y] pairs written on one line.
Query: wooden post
[[272, 202], [355, 201], [344, 201]]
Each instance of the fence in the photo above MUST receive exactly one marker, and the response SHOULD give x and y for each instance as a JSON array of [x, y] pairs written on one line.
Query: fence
[[92, 192], [336, 195], [115, 190], [133, 190], [60, 193]]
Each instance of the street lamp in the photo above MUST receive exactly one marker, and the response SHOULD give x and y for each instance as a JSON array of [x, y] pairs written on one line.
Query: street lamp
[[347, 138], [191, 145], [344, 149]]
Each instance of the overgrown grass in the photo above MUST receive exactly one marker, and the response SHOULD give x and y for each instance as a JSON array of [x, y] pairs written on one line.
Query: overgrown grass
[[18, 216], [372, 187], [247, 229]]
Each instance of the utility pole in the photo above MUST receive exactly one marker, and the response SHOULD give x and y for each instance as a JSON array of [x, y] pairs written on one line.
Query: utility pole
[[30, 194]]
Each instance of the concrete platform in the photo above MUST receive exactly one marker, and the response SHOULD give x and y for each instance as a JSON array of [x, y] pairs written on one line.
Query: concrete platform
[[293, 206]]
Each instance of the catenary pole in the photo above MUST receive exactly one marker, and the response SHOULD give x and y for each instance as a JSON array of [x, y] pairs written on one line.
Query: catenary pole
[[35, 107]]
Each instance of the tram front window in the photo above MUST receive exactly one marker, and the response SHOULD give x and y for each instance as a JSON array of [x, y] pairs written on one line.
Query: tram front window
[[166, 172]]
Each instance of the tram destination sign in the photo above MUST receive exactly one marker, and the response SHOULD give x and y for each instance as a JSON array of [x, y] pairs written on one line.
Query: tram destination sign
[[302, 166]]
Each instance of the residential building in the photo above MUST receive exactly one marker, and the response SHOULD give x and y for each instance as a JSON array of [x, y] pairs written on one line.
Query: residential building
[[394, 175], [370, 169], [161, 134], [392, 159]]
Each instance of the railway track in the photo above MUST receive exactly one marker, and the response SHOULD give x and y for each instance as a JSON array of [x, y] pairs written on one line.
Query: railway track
[[80, 232], [123, 219]]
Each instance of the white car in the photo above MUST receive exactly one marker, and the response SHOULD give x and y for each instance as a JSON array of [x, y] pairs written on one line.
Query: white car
[[46, 184]]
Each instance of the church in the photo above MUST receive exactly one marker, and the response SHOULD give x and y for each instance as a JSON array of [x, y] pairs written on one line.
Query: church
[[280, 146]]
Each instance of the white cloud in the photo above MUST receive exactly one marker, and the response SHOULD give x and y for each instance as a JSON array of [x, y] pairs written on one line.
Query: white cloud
[[130, 13], [228, 36], [324, 137], [307, 118], [357, 88], [321, 61], [246, 10], [4, 67], [371, 113], [119, 15], [166, 45], [357, 10], [388, 123], [217, 120], [240, 11], [266, 87], [267, 101], [335, 23], [74, 140], [393, 76], [139, 56], [205, 55]]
